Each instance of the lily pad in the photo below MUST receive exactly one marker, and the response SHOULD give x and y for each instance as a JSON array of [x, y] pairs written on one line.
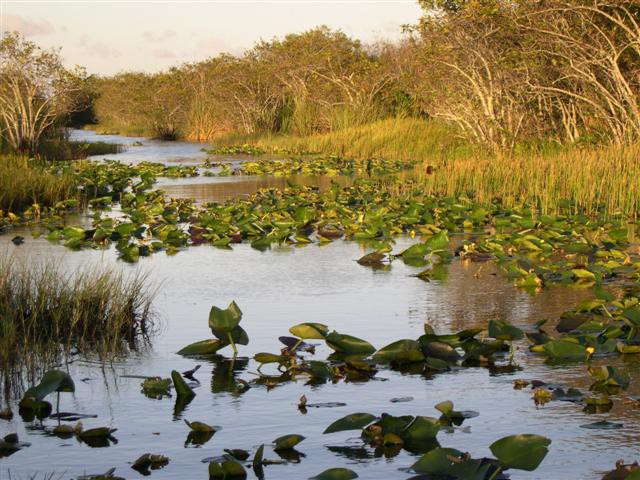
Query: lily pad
[[348, 344], [203, 347], [182, 388], [336, 474], [287, 442], [522, 452], [400, 352], [355, 421], [307, 331], [603, 425]]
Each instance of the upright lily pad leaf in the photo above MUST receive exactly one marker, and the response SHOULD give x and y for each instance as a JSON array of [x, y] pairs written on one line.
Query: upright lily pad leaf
[[257, 462], [222, 322], [53, 381], [522, 452], [182, 388], [348, 344], [355, 421], [439, 241], [287, 442], [336, 474], [307, 331]]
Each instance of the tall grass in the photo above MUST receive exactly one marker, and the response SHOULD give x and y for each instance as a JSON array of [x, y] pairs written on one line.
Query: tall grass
[[409, 139], [22, 184], [63, 149], [44, 309], [594, 180], [111, 128]]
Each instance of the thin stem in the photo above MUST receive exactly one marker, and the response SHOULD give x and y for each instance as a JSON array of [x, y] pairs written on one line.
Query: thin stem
[[233, 344], [295, 347], [496, 473]]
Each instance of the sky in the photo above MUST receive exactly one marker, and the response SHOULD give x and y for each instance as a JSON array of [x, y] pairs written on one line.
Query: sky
[[111, 36]]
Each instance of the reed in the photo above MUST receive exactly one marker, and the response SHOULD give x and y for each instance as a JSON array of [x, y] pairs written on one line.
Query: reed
[[408, 139], [22, 184], [43, 309], [591, 180]]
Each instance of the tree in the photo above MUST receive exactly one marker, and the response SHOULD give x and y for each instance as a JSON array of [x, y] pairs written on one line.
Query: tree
[[36, 92], [593, 49]]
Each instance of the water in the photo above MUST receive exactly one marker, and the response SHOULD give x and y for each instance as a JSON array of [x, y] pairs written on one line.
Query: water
[[285, 286]]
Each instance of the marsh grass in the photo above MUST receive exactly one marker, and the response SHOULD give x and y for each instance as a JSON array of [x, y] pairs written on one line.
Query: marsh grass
[[106, 128], [44, 309], [407, 139], [592, 180], [23, 183], [63, 149]]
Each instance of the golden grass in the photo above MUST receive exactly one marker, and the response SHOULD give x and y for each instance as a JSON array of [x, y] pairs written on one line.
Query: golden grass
[[22, 184], [594, 179], [598, 179], [408, 139], [43, 308]]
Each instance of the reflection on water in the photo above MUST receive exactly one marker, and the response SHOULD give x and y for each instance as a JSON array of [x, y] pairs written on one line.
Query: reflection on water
[[289, 285], [285, 286], [219, 189], [145, 149]]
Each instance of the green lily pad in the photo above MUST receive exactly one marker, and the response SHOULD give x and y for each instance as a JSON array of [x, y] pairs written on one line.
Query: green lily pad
[[336, 474], [603, 425], [203, 347], [200, 427], [349, 344], [52, 381], [222, 322], [182, 388], [287, 442], [522, 452], [400, 352], [307, 331], [503, 330], [355, 421]]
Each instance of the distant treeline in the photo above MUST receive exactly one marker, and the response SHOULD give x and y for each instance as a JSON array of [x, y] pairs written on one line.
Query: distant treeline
[[503, 71]]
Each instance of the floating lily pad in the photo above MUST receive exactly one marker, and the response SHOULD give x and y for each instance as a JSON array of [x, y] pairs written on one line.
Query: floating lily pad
[[348, 344], [287, 442], [603, 425], [354, 421], [336, 474]]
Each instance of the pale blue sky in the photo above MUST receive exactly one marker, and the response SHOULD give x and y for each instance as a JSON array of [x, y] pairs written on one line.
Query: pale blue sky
[[110, 36]]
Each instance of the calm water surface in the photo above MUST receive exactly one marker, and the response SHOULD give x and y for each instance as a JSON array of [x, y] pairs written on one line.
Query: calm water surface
[[285, 286]]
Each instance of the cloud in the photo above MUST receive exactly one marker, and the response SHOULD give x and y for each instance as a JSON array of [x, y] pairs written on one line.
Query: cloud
[[160, 36], [97, 48], [25, 26], [164, 53], [210, 47]]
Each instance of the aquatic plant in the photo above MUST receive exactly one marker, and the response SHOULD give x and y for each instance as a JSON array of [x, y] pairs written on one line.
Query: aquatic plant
[[44, 308], [225, 325]]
